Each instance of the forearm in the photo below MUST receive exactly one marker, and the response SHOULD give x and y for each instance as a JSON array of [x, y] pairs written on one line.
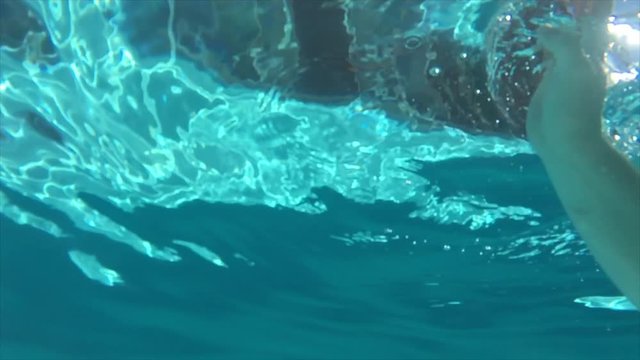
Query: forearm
[[600, 190]]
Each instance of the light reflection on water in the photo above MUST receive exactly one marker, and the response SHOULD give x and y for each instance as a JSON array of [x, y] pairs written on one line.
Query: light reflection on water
[[154, 125]]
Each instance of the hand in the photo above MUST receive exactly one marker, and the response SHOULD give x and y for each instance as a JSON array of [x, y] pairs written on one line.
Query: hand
[[565, 112], [583, 8]]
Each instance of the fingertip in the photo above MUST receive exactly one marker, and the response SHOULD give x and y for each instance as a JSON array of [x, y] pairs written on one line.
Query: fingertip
[[548, 32], [557, 39], [545, 29]]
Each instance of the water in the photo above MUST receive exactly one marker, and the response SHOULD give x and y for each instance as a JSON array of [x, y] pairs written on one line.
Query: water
[[307, 295], [153, 210]]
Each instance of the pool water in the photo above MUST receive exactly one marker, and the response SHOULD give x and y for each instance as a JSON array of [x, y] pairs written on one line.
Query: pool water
[[152, 209]]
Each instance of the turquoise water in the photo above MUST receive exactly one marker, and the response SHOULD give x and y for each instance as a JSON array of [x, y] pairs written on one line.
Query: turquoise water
[[308, 295], [152, 209]]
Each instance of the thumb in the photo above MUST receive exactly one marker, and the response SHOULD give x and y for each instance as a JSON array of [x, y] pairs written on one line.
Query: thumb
[[562, 42]]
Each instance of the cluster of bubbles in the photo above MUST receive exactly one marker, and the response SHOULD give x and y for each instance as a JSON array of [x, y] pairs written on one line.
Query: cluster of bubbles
[[515, 64]]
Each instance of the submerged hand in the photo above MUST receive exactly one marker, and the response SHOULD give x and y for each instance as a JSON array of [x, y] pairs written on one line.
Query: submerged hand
[[598, 187], [565, 111]]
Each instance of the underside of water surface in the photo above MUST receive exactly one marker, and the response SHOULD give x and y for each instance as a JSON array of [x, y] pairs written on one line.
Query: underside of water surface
[[113, 106]]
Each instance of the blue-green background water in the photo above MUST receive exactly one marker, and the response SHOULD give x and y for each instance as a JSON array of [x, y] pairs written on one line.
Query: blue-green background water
[[435, 244], [308, 295]]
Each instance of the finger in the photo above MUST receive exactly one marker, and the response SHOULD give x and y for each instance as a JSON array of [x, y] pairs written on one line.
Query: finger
[[600, 8], [562, 42], [595, 37]]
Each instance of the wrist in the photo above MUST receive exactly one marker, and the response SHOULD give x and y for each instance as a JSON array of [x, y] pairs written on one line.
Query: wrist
[[572, 149]]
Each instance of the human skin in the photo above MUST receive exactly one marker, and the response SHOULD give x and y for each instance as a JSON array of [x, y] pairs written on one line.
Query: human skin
[[598, 187]]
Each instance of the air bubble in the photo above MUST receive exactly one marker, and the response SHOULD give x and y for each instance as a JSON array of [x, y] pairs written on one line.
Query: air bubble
[[412, 42]]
